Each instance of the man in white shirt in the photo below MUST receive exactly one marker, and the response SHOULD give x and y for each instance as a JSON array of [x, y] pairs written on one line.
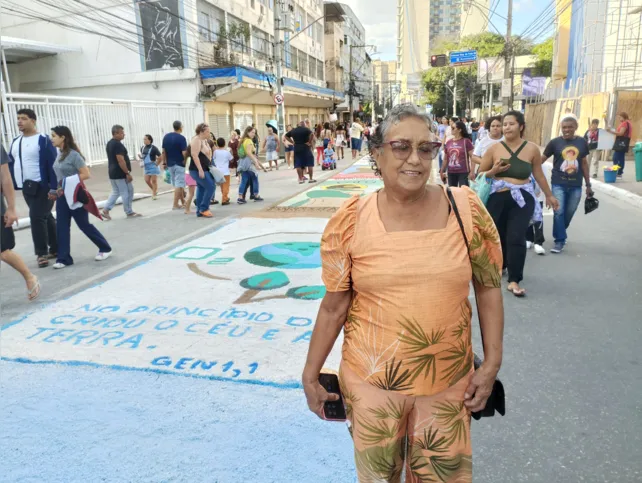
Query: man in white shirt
[[356, 131], [32, 157]]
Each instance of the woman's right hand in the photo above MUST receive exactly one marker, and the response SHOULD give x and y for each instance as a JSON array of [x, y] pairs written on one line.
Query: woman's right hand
[[201, 174], [498, 167], [317, 396]]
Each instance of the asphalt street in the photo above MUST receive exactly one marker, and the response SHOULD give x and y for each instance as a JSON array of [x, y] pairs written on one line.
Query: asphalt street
[[572, 366]]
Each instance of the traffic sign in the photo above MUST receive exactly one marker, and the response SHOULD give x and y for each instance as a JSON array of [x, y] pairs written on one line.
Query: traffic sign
[[507, 88], [464, 57], [278, 99]]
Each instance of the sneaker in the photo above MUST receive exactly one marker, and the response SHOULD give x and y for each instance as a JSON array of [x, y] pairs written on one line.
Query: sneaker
[[59, 266], [258, 198], [594, 176], [558, 248], [241, 201], [529, 245], [540, 250], [102, 256]]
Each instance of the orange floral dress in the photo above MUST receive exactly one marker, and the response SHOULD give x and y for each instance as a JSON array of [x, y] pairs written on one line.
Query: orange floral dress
[[408, 330]]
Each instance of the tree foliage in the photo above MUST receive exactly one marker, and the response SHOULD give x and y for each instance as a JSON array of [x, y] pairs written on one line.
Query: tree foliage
[[544, 52], [487, 44]]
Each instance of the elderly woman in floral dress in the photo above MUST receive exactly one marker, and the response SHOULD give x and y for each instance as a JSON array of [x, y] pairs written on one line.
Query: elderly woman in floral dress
[[397, 273]]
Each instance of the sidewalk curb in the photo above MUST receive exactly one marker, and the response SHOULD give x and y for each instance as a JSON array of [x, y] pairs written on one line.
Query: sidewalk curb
[[24, 223], [617, 193]]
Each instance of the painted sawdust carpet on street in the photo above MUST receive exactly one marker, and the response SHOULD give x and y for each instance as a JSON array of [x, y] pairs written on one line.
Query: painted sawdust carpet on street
[[237, 304], [358, 179]]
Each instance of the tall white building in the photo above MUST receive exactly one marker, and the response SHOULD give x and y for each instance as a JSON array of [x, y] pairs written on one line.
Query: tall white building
[[423, 24]]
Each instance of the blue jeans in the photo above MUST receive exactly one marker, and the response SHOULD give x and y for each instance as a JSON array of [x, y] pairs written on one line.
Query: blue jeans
[[63, 227], [569, 198], [204, 191], [251, 180], [618, 159], [120, 187], [473, 136]]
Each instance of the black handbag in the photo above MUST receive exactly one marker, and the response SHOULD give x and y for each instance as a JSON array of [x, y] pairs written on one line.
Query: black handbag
[[497, 399], [622, 143]]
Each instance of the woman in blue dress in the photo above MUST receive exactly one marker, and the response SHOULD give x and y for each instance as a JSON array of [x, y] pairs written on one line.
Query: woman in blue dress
[[150, 158]]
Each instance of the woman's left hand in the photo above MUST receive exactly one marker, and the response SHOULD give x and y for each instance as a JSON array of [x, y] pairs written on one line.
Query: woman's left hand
[[479, 388], [552, 202]]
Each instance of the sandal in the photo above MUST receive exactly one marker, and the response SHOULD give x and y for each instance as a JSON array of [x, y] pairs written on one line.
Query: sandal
[[519, 292], [43, 262], [33, 292], [312, 181]]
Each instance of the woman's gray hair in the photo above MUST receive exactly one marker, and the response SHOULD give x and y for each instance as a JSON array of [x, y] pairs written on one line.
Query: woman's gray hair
[[397, 114]]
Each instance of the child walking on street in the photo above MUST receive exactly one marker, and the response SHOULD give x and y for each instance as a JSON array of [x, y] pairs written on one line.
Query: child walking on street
[[222, 160], [271, 148]]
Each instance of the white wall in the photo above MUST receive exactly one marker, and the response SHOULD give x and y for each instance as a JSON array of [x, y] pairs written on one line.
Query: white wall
[[105, 67]]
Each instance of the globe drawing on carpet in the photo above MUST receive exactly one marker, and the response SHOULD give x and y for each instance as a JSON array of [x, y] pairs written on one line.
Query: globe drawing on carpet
[[290, 255]]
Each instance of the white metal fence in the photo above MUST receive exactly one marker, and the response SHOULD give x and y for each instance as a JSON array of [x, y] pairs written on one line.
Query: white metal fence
[[91, 119]]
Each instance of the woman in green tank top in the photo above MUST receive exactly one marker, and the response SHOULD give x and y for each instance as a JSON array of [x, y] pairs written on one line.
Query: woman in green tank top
[[513, 202]]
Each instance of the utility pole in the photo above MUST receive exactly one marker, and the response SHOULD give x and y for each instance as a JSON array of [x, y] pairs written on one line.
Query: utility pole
[[350, 85], [278, 60], [509, 55], [455, 95]]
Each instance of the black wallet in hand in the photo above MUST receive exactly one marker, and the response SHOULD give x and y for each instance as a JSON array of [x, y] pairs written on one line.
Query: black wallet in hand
[[496, 401]]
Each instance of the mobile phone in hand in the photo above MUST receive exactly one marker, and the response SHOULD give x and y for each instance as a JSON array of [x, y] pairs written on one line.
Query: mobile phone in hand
[[332, 410]]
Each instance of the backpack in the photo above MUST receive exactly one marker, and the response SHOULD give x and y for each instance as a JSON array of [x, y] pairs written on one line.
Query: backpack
[[241, 150]]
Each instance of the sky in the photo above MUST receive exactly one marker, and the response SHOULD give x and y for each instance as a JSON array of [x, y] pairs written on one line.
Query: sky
[[379, 17]]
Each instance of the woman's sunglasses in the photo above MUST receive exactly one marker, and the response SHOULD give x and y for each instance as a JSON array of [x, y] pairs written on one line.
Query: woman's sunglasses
[[425, 151]]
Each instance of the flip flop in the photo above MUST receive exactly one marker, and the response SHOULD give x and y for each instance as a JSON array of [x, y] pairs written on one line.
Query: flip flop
[[34, 292], [517, 293]]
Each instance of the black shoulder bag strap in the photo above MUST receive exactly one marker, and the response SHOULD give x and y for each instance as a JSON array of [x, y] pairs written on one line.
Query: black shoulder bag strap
[[22, 171], [496, 400]]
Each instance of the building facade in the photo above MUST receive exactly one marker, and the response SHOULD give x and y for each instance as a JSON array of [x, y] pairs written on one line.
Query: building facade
[[597, 46], [215, 54], [386, 86], [422, 25], [348, 65]]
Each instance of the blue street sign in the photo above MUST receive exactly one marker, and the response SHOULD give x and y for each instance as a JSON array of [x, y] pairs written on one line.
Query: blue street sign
[[463, 57]]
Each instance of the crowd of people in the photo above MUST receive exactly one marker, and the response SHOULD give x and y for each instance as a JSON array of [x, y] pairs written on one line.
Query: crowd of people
[[51, 172]]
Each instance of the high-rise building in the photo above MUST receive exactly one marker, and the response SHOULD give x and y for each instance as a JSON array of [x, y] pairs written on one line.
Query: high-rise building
[[423, 24], [386, 86], [347, 63]]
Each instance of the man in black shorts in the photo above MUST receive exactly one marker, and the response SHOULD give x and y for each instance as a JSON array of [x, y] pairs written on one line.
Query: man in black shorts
[[302, 138], [7, 218]]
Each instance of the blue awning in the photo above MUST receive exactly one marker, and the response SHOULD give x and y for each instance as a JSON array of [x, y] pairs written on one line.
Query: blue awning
[[238, 74]]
